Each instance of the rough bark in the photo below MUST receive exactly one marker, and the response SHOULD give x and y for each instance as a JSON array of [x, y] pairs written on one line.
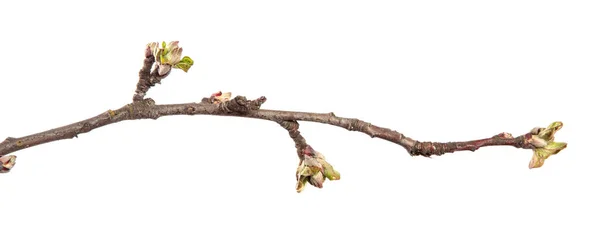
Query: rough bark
[[541, 141], [240, 107]]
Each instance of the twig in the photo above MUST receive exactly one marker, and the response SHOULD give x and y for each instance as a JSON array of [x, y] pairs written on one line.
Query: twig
[[292, 128], [148, 78]]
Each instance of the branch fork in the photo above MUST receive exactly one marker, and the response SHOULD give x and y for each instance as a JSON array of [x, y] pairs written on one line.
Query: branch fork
[[161, 59]]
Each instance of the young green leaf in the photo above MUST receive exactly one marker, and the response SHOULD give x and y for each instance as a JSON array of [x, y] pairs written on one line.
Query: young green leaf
[[185, 64], [543, 140], [329, 172]]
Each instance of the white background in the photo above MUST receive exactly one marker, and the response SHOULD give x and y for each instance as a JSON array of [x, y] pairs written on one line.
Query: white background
[[433, 70]]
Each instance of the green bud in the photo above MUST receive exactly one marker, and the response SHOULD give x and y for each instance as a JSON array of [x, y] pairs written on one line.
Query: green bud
[[184, 64], [170, 55], [541, 154], [314, 169], [543, 140]]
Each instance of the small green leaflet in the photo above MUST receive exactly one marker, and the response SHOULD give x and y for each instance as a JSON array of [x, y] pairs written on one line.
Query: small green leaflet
[[185, 63]]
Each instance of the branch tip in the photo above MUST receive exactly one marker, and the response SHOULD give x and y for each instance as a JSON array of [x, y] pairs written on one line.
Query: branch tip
[[167, 57], [314, 169], [542, 139]]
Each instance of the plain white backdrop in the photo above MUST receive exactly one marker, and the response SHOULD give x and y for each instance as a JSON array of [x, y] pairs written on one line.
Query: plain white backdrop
[[433, 70]]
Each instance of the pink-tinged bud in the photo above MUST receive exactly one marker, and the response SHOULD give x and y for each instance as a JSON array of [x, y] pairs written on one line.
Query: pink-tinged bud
[[168, 56], [317, 180], [163, 69], [148, 52], [220, 97], [543, 140], [217, 94], [308, 151], [314, 169], [537, 141], [7, 162]]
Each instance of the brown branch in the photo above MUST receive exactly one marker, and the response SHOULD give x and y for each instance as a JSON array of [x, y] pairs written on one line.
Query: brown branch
[[312, 168], [240, 107], [292, 128]]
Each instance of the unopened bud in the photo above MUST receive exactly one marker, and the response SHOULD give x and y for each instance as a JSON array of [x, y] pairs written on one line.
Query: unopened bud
[[537, 141], [163, 69]]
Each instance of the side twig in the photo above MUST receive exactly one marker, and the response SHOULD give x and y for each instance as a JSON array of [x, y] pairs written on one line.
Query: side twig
[[148, 77]]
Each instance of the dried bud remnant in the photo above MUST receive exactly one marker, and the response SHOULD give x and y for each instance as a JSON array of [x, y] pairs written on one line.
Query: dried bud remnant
[[220, 97], [7, 162]]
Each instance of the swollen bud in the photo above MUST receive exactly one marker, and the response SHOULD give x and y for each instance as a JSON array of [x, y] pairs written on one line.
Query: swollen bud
[[541, 154], [543, 140], [314, 169], [168, 55], [537, 141], [163, 69], [220, 97]]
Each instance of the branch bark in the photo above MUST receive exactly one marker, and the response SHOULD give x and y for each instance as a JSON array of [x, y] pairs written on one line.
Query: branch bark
[[148, 77], [240, 107], [292, 128]]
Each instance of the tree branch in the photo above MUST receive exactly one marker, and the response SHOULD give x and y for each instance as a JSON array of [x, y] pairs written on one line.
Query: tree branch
[[239, 107], [312, 168]]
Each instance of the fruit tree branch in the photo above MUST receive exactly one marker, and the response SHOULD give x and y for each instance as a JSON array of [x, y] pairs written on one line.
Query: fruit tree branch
[[313, 168]]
